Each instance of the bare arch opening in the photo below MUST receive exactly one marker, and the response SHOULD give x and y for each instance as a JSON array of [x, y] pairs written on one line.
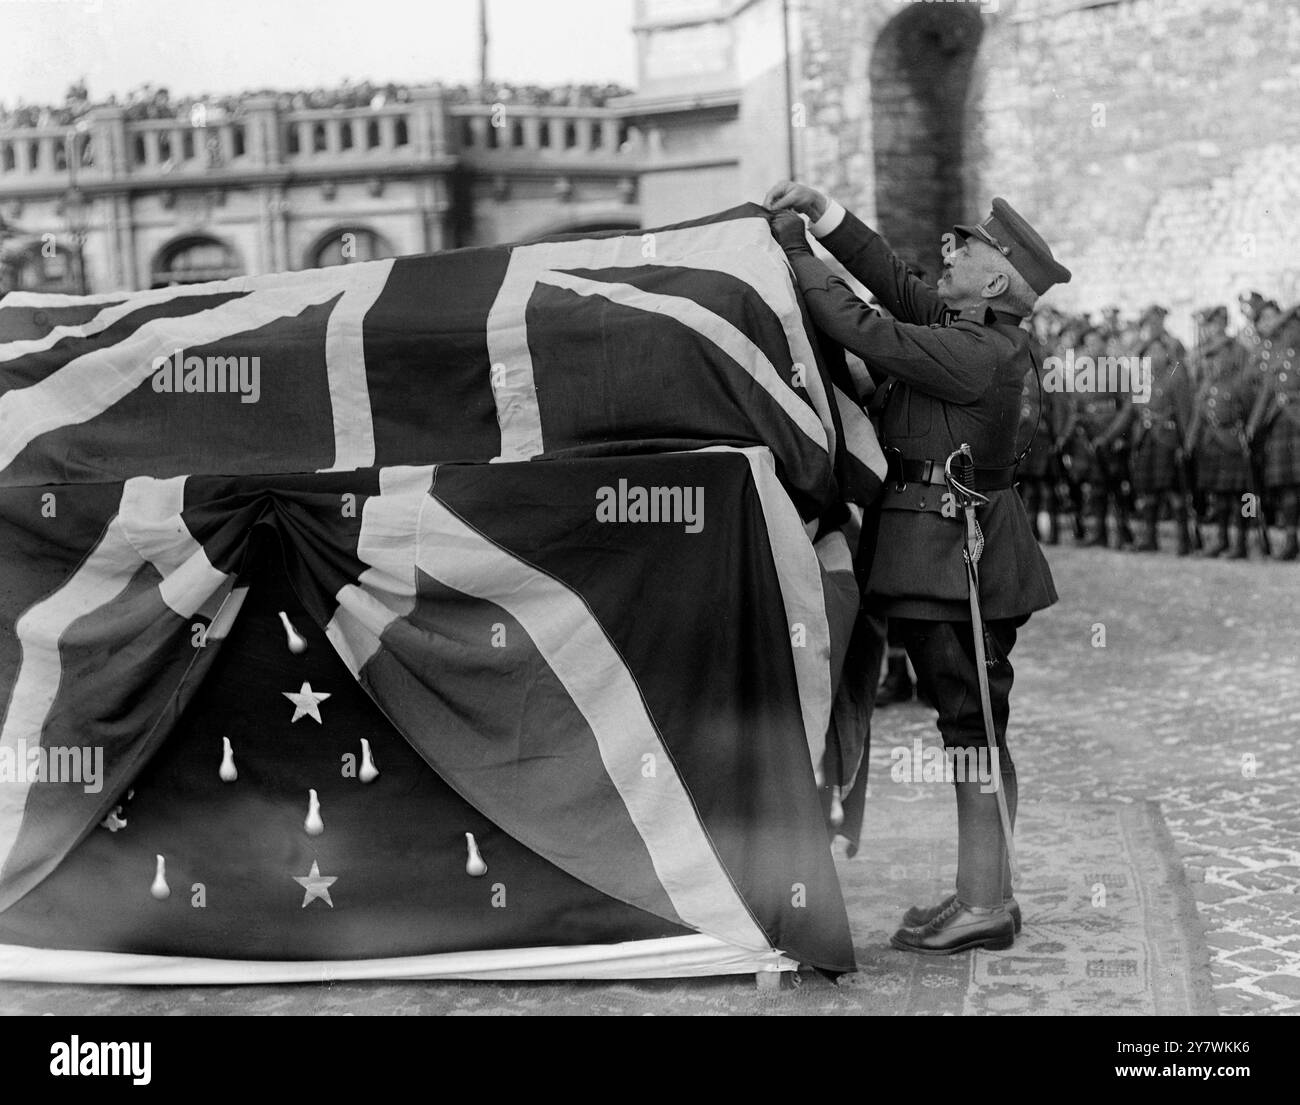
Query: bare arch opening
[[920, 79]]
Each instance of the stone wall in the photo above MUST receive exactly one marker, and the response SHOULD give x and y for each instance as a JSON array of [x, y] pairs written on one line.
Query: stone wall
[[1156, 143]]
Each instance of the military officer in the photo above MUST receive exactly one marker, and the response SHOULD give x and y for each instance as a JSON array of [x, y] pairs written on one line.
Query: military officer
[[953, 359], [1275, 419], [1216, 436]]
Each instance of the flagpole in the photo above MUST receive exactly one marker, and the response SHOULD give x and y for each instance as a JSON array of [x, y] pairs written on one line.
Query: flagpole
[[482, 46], [789, 91]]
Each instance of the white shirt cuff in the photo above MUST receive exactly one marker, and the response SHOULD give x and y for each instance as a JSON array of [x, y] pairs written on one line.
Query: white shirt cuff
[[831, 218]]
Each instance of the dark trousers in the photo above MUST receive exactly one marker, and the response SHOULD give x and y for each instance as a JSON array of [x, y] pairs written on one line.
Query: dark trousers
[[943, 654]]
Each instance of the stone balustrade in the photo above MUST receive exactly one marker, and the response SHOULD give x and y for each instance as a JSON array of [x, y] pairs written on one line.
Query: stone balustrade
[[105, 145]]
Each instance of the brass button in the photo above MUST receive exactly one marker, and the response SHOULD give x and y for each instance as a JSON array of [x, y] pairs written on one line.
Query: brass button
[[921, 502]]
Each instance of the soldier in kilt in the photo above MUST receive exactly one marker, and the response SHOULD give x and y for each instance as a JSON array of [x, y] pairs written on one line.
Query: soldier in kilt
[[1275, 420], [1156, 430], [1216, 437], [1089, 454]]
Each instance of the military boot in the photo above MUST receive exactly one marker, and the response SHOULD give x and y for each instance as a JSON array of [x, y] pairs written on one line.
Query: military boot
[[1239, 550], [1221, 543], [1290, 547], [1150, 541]]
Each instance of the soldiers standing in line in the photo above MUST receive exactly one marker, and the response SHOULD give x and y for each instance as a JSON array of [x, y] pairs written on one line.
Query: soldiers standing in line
[[1275, 417], [1216, 437]]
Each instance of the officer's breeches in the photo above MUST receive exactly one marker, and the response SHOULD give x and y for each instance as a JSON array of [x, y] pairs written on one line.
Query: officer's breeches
[[943, 654]]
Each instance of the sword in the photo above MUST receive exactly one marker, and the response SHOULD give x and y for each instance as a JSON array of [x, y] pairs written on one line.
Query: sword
[[959, 469]]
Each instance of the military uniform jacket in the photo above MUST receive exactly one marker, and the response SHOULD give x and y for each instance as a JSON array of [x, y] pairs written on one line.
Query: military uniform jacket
[[1165, 417], [947, 379], [1276, 369], [1225, 397]]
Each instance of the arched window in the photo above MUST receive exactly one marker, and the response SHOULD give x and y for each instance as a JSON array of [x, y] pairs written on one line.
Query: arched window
[[347, 245], [400, 136], [195, 259]]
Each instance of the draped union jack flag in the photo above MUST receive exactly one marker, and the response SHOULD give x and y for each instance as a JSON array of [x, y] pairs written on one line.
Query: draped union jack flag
[[625, 714]]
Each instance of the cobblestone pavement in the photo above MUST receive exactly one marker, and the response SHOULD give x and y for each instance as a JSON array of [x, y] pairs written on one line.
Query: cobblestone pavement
[[1191, 699]]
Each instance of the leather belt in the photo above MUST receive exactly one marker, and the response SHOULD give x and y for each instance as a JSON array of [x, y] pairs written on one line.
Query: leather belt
[[903, 470]]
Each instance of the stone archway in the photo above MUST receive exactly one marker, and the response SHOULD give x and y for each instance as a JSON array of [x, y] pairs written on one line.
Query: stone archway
[[194, 259], [920, 77]]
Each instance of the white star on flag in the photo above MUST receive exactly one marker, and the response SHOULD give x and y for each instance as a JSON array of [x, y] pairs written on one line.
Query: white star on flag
[[316, 885], [305, 702]]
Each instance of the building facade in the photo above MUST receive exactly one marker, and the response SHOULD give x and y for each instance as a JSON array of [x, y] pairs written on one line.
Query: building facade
[[1156, 143], [116, 204]]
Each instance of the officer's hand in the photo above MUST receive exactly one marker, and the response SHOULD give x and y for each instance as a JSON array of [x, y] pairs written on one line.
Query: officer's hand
[[792, 196], [788, 229]]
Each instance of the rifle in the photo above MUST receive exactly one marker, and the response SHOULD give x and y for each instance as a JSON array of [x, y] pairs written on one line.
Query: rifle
[[1255, 490], [1185, 465]]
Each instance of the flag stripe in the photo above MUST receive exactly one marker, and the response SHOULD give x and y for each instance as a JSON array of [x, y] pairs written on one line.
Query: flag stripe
[[799, 572], [345, 362], [90, 384], [105, 573], [595, 677], [711, 326], [150, 518], [385, 591], [696, 955]]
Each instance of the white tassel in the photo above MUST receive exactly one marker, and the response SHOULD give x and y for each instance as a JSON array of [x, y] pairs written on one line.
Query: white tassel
[[474, 865], [160, 889], [227, 772], [314, 825], [297, 644], [369, 772], [837, 809]]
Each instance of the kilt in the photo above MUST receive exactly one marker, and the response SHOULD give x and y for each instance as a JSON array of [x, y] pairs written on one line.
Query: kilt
[[1153, 465], [1083, 464], [1282, 452], [1221, 466]]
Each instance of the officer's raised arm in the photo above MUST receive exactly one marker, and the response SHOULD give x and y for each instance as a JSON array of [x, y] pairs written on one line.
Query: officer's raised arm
[[861, 251]]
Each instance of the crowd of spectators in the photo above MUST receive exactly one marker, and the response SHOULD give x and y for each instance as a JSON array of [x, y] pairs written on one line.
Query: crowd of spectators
[[152, 102]]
